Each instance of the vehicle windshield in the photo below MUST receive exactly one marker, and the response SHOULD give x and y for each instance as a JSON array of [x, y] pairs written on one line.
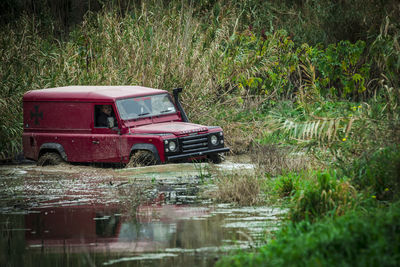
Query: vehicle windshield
[[145, 106]]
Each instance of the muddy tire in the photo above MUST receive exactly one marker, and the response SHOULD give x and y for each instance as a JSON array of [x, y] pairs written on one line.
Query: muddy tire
[[216, 158], [141, 158], [50, 158]]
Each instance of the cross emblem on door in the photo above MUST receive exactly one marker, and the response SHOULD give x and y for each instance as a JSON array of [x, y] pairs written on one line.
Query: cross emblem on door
[[36, 115]]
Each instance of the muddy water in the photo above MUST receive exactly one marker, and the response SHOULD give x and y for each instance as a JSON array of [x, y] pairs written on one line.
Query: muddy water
[[153, 216]]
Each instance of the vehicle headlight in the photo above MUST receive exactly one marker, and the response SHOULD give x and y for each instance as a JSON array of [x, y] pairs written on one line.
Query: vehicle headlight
[[214, 140], [172, 146]]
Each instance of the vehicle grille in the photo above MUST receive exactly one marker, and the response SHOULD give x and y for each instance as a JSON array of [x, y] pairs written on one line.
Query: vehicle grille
[[194, 143]]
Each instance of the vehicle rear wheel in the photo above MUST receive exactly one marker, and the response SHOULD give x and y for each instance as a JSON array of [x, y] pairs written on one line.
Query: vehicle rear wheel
[[142, 158], [50, 158]]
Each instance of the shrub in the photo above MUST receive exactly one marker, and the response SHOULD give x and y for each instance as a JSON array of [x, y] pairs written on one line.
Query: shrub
[[315, 194], [324, 195], [287, 185], [379, 173]]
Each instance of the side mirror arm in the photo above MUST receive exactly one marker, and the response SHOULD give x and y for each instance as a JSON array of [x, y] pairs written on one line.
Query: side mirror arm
[[176, 93]]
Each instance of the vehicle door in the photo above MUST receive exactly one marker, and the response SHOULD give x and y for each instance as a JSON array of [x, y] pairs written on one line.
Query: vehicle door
[[105, 141]]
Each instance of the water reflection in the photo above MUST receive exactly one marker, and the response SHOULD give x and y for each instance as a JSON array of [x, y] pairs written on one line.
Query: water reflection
[[82, 219], [157, 234], [105, 231], [154, 226]]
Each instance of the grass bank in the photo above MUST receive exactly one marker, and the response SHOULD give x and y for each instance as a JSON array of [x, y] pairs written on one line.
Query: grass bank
[[340, 216], [359, 238]]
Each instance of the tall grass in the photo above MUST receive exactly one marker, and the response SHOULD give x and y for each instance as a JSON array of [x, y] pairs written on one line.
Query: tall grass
[[155, 46], [233, 70], [24, 57], [239, 187]]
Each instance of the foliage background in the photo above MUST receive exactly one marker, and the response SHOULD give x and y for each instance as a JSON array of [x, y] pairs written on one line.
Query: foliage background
[[310, 89], [236, 60]]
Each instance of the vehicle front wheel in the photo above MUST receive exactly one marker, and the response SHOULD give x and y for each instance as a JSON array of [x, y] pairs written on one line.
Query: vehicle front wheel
[[50, 158], [216, 158], [141, 158]]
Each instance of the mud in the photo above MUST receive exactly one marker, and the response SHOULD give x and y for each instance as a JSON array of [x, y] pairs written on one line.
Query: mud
[[156, 216]]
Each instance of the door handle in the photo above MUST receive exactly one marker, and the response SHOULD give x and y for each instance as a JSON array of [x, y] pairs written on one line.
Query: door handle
[[96, 142]]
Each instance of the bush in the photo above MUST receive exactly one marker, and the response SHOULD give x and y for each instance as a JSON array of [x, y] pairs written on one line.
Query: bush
[[287, 185], [328, 196], [379, 173], [314, 194], [340, 68]]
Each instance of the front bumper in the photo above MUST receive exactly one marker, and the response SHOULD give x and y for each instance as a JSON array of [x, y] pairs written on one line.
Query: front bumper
[[197, 154]]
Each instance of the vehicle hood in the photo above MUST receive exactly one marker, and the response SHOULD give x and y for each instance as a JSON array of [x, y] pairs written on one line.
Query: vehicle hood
[[177, 128]]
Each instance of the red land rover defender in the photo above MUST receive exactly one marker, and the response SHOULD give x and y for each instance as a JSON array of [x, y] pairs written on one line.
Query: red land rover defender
[[113, 124]]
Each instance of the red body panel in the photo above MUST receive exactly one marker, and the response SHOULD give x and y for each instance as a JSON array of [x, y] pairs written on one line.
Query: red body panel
[[89, 93], [63, 120]]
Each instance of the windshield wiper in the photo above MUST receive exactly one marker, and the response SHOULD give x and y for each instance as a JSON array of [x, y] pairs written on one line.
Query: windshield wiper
[[142, 114], [167, 110]]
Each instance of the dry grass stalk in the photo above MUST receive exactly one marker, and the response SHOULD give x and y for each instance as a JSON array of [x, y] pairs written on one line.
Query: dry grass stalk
[[274, 160], [241, 188]]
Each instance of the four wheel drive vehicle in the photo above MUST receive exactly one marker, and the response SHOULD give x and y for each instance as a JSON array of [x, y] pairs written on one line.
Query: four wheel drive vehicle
[[115, 124]]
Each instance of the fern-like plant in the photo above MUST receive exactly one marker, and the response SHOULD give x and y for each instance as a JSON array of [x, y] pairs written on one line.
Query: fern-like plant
[[324, 130]]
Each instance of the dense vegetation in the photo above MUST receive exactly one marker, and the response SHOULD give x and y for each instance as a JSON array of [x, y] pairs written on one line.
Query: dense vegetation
[[321, 77]]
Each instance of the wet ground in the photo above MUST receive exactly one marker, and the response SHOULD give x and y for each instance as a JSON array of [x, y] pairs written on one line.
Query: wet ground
[[152, 216]]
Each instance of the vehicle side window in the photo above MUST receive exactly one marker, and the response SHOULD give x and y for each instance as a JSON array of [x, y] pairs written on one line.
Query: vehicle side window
[[101, 115]]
